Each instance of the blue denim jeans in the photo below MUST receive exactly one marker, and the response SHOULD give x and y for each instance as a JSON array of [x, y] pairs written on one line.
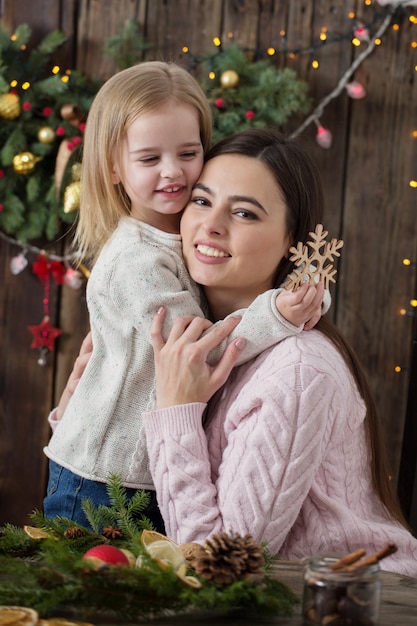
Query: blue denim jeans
[[66, 491]]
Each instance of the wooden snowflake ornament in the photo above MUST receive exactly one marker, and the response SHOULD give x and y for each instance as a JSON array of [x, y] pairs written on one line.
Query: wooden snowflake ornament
[[316, 266]]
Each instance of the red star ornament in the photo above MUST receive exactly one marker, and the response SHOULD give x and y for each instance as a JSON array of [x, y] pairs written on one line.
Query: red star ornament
[[44, 334]]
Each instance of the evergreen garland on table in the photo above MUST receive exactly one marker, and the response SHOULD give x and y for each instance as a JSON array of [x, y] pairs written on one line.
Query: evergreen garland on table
[[44, 567]]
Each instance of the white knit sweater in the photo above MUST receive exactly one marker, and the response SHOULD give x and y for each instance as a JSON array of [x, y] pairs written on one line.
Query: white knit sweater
[[139, 269], [284, 457]]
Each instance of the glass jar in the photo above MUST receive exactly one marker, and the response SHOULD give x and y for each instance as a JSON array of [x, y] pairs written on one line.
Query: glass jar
[[339, 598]]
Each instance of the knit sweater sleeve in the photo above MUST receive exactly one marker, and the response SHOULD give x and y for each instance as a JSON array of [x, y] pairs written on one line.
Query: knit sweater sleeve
[[271, 449], [262, 326]]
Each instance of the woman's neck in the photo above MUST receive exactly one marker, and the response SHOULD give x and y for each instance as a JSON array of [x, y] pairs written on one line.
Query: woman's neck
[[222, 303]]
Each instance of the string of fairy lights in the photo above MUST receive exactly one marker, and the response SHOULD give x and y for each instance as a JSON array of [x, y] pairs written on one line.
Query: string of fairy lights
[[366, 36]]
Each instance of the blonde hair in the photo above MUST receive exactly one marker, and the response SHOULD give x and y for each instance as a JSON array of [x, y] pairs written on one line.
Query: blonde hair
[[126, 95]]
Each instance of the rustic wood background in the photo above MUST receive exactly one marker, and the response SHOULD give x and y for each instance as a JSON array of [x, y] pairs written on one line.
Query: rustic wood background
[[366, 174]]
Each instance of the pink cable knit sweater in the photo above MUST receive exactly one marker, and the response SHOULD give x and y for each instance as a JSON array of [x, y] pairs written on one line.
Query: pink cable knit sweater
[[283, 457]]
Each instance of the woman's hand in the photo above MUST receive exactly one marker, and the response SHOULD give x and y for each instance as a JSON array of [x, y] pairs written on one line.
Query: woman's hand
[[79, 367], [182, 373]]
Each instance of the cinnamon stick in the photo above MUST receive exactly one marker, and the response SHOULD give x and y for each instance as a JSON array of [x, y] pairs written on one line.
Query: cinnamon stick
[[348, 559], [375, 557]]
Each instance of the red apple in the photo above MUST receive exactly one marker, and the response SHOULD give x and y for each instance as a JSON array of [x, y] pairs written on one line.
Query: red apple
[[105, 553]]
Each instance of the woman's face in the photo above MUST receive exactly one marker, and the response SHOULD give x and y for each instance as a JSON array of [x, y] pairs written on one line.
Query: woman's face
[[234, 231]]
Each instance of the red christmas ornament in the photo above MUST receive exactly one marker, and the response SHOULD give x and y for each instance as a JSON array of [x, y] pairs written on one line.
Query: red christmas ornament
[[43, 268], [44, 334], [219, 103], [105, 553], [250, 115]]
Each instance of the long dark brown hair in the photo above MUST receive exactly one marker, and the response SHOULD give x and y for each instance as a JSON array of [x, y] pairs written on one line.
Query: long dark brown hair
[[299, 180]]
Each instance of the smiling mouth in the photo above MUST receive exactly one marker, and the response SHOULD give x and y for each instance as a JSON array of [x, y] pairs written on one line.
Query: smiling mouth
[[213, 252], [172, 189]]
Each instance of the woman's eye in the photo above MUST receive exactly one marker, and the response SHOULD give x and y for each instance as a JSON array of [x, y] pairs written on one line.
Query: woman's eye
[[248, 215], [200, 201]]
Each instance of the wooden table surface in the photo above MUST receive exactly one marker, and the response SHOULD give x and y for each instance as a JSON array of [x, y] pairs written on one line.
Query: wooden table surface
[[398, 606]]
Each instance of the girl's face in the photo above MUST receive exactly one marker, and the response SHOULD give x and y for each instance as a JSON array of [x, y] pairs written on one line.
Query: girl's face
[[161, 159], [234, 231]]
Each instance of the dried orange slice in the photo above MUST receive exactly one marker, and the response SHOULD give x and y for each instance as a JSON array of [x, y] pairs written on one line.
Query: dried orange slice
[[36, 533], [167, 553], [18, 616]]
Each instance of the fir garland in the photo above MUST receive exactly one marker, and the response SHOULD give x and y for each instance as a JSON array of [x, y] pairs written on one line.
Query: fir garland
[[33, 126], [33, 97], [245, 93], [51, 576]]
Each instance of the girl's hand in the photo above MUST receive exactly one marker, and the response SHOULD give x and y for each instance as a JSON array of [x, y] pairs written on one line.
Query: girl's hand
[[302, 306], [79, 367], [182, 373]]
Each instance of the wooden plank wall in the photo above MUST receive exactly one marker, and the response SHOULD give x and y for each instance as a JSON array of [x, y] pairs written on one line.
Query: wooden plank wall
[[366, 178]]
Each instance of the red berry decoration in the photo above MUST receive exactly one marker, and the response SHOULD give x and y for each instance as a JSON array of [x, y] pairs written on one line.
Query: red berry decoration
[[106, 554]]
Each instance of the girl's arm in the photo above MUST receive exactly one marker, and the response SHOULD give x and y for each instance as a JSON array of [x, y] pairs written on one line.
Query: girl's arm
[[273, 316]]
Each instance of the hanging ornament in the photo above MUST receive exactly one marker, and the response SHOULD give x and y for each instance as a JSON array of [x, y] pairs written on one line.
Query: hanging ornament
[[72, 192], [73, 278], [44, 334], [361, 33], [25, 162], [72, 196], [9, 106], [72, 114], [229, 79], [46, 134], [324, 137], [18, 263], [355, 90]]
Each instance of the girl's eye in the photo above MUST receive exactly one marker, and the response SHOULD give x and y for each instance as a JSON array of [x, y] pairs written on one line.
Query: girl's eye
[[188, 155], [150, 160]]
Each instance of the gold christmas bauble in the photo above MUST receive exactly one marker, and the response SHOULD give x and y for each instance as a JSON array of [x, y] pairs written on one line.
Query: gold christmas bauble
[[9, 106], [72, 195], [229, 79], [46, 134], [25, 162]]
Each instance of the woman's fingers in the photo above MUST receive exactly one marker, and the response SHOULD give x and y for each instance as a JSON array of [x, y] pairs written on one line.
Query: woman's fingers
[[188, 326]]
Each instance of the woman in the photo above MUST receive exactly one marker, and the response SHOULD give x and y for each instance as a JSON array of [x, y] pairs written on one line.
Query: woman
[[289, 449]]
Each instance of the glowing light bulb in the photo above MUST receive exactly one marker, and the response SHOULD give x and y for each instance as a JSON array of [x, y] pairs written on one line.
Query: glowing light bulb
[[324, 137], [361, 33], [355, 90]]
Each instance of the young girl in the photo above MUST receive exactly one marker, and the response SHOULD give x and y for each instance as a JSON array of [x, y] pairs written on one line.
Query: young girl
[[145, 139]]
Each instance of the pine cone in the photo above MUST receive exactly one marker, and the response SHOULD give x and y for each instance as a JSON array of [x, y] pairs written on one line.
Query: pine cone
[[229, 557], [73, 532], [110, 532]]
